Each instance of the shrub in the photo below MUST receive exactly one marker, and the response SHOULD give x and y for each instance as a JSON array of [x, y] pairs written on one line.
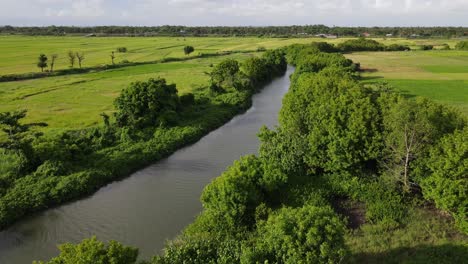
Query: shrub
[[383, 204], [397, 47], [462, 45], [122, 49], [361, 44], [93, 251], [304, 235], [427, 47], [235, 195], [200, 249]]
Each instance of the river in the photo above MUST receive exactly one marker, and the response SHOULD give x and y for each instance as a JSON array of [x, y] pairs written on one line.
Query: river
[[152, 205]]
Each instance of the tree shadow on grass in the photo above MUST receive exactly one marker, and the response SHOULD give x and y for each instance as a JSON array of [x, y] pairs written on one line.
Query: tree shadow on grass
[[407, 94], [424, 254], [370, 78]]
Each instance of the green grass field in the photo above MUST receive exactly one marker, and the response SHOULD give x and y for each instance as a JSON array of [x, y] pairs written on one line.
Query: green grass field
[[439, 75], [75, 101], [19, 53]]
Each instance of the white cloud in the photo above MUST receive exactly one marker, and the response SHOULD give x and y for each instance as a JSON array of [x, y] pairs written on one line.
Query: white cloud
[[235, 12]]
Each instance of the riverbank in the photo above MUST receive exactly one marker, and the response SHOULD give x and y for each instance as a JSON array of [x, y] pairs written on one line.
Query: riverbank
[[77, 163], [153, 204]]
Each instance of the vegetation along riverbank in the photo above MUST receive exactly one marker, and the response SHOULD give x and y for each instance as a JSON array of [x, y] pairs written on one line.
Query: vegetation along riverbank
[[356, 172]]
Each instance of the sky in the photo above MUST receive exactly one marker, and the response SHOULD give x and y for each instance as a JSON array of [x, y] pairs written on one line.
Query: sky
[[234, 12]]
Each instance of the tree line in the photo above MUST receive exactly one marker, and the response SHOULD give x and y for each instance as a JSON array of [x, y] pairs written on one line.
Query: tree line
[[278, 31], [336, 138]]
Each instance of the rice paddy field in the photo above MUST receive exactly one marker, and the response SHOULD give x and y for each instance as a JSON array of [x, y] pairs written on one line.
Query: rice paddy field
[[75, 101]]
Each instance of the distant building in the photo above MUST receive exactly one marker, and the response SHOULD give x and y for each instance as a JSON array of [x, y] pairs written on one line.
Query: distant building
[[90, 35], [389, 35], [414, 36], [366, 34], [332, 36]]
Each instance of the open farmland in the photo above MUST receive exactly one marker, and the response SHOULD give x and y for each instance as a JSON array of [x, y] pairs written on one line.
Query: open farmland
[[19, 53], [439, 75]]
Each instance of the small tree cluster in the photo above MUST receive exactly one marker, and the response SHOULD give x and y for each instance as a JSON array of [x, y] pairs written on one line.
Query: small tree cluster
[[188, 50]]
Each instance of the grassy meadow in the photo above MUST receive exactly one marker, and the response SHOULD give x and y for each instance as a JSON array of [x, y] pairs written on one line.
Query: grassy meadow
[[439, 75], [75, 101], [19, 53]]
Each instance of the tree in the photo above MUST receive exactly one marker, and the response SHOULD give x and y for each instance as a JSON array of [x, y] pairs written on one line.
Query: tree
[[410, 127], [80, 57], [95, 252], [224, 74], [188, 50], [42, 63], [52, 62], [234, 196], [18, 135], [71, 58], [112, 57], [146, 103], [336, 118], [447, 183]]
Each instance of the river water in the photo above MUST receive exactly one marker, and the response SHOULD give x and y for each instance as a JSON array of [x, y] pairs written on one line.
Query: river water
[[152, 205]]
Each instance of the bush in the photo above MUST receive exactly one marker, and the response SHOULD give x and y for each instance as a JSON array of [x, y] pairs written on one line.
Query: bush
[[361, 44], [383, 204], [397, 47], [427, 47], [122, 49], [304, 235], [200, 249], [235, 195], [93, 251], [462, 45]]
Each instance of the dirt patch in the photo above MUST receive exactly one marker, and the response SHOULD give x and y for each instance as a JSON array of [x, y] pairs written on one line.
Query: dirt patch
[[354, 212]]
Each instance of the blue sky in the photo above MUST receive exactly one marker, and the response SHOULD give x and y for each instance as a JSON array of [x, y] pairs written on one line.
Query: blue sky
[[235, 12]]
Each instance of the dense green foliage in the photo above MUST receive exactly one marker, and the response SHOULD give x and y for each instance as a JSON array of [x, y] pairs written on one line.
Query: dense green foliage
[[462, 45], [361, 44], [93, 251], [447, 183], [337, 138], [308, 234], [188, 50], [147, 103], [151, 121]]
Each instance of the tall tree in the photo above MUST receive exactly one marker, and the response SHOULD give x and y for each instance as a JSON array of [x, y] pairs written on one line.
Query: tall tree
[[80, 57], [42, 62], [71, 58], [112, 55], [52, 62]]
